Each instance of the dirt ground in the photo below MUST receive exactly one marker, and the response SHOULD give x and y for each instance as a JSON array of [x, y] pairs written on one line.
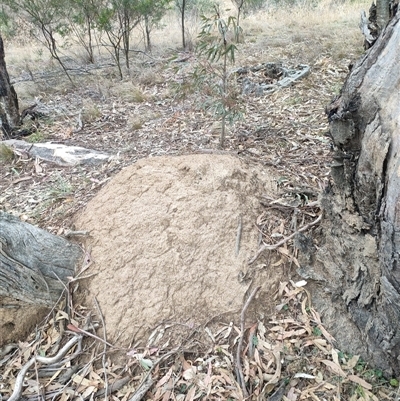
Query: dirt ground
[[170, 239]]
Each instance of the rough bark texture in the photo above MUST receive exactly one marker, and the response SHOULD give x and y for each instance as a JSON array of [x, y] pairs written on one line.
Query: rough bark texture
[[33, 266], [356, 268], [9, 113], [33, 262], [382, 13]]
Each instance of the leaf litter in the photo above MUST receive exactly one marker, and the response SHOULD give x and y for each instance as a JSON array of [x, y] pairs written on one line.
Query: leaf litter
[[288, 356]]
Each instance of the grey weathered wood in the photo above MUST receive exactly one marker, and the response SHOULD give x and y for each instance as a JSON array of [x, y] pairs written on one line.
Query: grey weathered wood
[[357, 264], [34, 263], [366, 31], [57, 153]]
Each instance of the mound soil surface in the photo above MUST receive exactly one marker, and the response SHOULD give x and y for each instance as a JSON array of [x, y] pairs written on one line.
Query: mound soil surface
[[170, 238]]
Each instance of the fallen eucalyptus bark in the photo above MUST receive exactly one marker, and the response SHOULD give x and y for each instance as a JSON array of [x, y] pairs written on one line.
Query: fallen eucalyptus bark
[[16, 395], [59, 154]]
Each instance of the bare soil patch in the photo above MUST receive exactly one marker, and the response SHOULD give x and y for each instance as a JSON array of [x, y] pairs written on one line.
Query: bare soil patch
[[170, 238]]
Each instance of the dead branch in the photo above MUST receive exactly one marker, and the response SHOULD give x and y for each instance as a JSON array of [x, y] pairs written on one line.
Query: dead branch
[[112, 388]]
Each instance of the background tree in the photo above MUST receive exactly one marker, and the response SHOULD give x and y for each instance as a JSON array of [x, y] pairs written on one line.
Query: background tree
[[244, 7], [215, 43], [152, 12], [181, 5], [82, 23], [9, 111], [117, 19], [191, 9], [48, 16]]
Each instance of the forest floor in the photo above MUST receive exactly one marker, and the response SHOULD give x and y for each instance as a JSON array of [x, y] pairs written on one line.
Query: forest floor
[[153, 111]]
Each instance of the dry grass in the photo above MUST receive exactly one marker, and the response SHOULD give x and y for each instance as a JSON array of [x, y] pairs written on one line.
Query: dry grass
[[6, 154], [306, 34], [90, 111], [302, 34]]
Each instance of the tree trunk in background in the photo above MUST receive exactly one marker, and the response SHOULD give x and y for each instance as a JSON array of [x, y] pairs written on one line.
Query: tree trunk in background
[[382, 13], [183, 9], [355, 272], [379, 15], [34, 267], [9, 112]]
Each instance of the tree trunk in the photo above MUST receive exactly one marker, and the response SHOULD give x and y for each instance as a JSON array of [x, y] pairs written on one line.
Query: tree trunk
[[382, 13], [9, 114], [34, 267], [147, 30], [355, 272], [183, 10]]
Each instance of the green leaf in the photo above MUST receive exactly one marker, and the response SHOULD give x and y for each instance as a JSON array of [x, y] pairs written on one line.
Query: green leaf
[[394, 382]]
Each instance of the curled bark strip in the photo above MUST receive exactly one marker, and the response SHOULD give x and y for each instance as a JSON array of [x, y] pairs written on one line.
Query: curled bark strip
[[16, 395], [284, 240], [239, 370]]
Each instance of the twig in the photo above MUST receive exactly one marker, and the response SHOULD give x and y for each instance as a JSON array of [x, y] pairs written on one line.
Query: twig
[[112, 388], [239, 370], [103, 358], [21, 179], [284, 240], [148, 381], [16, 395], [81, 331], [71, 233]]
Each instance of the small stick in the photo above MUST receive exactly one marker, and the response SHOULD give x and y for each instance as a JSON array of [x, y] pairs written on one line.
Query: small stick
[[284, 240], [148, 380], [103, 358], [75, 329], [71, 233], [239, 370]]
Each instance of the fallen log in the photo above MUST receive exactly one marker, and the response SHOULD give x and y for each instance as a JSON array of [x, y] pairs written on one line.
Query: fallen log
[[34, 268]]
